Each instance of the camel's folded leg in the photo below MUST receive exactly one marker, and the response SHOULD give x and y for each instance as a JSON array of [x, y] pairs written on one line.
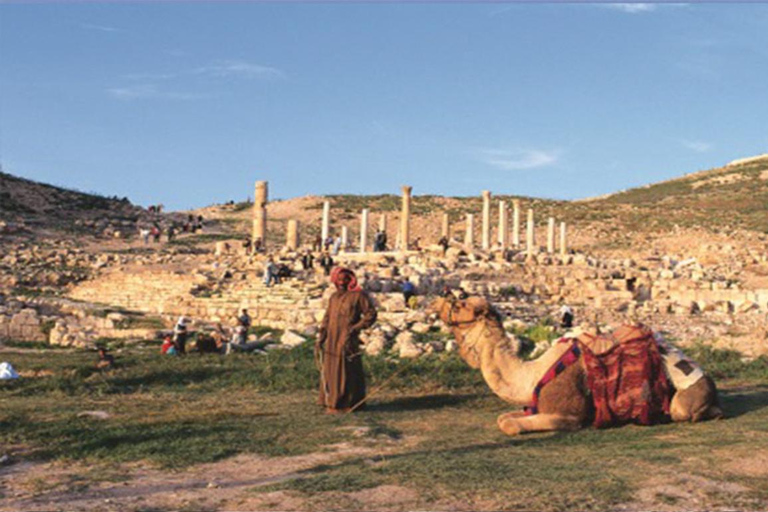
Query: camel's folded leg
[[512, 424], [699, 402]]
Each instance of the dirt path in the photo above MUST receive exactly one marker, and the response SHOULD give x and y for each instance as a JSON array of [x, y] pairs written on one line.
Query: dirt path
[[224, 485]]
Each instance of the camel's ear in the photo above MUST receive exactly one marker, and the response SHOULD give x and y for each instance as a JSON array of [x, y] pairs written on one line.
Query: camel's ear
[[482, 309], [485, 310]]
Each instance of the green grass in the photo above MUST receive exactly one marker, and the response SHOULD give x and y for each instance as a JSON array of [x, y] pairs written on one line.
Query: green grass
[[431, 428], [729, 364]]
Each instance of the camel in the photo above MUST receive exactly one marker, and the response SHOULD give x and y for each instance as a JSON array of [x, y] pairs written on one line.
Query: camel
[[564, 403]]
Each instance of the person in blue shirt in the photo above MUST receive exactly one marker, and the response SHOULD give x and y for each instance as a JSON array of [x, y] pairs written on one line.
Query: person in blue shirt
[[409, 291]]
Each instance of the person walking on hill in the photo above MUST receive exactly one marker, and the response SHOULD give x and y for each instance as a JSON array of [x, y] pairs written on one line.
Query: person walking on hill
[[444, 244], [350, 310], [307, 260], [243, 324], [326, 262], [270, 273], [180, 335]]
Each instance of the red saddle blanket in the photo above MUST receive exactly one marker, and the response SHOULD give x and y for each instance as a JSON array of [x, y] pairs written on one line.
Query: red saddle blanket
[[628, 382]]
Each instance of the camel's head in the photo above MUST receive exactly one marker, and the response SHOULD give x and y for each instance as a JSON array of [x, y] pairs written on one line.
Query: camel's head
[[461, 312], [462, 315]]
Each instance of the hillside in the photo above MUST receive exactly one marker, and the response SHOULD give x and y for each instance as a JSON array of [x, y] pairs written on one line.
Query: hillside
[[731, 197], [711, 203], [29, 207]]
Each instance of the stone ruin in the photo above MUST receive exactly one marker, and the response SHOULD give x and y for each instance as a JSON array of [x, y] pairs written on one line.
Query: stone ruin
[[527, 281]]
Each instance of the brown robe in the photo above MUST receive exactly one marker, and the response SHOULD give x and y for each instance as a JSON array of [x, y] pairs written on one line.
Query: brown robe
[[342, 382]]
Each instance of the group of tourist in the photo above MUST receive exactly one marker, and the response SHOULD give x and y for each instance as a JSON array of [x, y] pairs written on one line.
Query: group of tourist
[[274, 273], [217, 340]]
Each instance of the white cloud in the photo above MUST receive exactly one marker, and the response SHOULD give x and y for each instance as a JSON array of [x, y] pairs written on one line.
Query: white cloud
[[697, 145], [518, 159], [100, 28], [631, 8], [148, 91], [238, 68], [640, 7], [143, 88], [223, 69]]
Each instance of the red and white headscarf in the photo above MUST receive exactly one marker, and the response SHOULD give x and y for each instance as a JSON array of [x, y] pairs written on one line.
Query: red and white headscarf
[[338, 272]]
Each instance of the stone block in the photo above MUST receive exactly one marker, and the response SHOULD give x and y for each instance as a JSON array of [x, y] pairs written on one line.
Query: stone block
[[292, 339]]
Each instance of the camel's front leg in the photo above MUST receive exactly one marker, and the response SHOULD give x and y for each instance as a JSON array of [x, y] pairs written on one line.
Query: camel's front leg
[[513, 423]]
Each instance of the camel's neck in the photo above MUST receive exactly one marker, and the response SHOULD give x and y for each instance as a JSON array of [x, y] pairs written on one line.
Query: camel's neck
[[508, 376]]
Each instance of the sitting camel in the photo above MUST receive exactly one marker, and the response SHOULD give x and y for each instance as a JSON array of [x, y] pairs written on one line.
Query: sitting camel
[[564, 403]]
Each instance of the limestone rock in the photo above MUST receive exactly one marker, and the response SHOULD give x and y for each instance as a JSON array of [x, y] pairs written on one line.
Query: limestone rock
[[291, 339], [405, 347]]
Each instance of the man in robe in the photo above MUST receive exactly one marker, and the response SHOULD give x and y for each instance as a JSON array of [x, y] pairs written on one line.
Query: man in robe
[[350, 310]]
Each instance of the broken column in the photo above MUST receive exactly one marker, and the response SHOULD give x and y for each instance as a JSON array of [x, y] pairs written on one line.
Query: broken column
[[469, 237], [503, 225], [344, 238], [364, 230], [326, 227], [516, 224], [405, 219], [292, 234], [551, 235], [260, 215], [529, 239], [445, 231], [563, 244], [486, 234]]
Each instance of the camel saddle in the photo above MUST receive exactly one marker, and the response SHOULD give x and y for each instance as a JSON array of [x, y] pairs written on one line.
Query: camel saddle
[[625, 373]]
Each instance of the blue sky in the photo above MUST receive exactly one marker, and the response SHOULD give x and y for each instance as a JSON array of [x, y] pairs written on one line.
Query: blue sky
[[188, 104]]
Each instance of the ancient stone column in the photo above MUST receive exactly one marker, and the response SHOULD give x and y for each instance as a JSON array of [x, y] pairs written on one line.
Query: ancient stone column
[[469, 237], [344, 237], [486, 234], [563, 244], [260, 214], [551, 235], [364, 230], [503, 225], [405, 219], [446, 229], [529, 238], [326, 227], [383, 222], [516, 224], [292, 234]]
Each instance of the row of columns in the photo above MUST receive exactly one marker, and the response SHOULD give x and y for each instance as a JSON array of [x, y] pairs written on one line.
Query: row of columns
[[503, 229], [258, 236], [292, 228]]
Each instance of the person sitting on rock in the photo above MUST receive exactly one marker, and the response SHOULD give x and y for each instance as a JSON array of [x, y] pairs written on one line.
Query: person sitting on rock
[[566, 314], [106, 361], [221, 338], [168, 347]]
